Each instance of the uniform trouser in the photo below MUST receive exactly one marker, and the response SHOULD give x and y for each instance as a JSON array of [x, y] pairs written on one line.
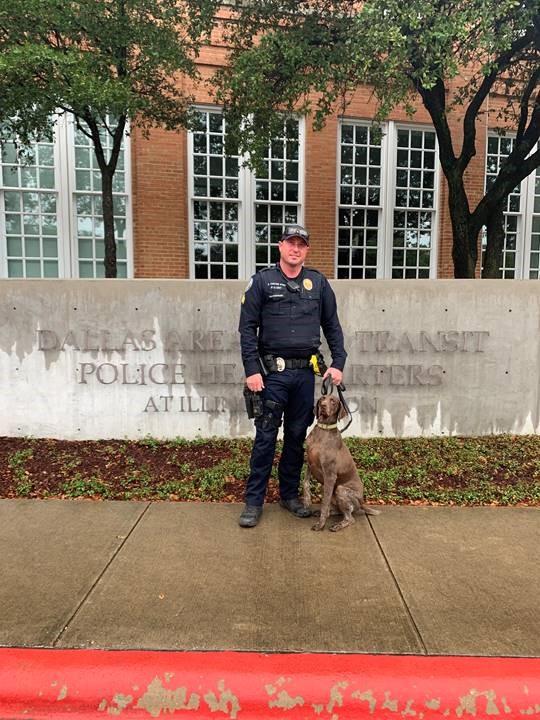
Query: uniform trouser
[[293, 391]]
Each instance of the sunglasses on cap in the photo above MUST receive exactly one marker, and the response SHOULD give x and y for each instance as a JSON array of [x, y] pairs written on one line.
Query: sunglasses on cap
[[298, 231]]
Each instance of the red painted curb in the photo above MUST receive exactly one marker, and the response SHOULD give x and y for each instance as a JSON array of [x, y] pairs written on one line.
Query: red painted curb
[[91, 684]]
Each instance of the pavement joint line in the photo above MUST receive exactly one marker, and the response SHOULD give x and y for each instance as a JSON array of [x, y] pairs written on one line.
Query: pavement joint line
[[414, 625], [114, 555]]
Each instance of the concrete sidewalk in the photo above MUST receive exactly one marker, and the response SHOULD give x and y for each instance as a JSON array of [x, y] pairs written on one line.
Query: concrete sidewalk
[[177, 576]]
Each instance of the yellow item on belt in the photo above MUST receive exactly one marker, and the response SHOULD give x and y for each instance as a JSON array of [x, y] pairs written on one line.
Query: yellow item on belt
[[315, 365]]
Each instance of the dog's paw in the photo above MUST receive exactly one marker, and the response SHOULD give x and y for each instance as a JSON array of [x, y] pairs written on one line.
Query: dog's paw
[[318, 526]]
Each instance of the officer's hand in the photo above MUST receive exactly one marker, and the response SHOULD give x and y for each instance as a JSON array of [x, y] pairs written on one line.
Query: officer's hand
[[335, 374], [255, 382]]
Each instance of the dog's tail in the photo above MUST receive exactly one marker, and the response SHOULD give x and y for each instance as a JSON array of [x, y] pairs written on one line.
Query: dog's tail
[[369, 510]]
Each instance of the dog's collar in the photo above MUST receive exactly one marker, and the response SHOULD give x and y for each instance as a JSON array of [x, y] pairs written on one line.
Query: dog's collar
[[327, 426]]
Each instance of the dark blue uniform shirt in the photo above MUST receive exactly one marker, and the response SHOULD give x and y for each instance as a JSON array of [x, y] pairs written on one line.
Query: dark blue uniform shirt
[[275, 319]]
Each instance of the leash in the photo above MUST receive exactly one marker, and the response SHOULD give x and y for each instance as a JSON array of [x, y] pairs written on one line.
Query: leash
[[328, 388]]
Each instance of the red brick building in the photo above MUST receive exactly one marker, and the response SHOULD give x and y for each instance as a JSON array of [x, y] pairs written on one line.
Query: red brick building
[[376, 207]]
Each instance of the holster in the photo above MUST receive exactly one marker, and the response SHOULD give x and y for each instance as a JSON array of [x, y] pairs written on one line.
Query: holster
[[269, 363], [272, 416], [323, 367], [317, 363], [254, 405]]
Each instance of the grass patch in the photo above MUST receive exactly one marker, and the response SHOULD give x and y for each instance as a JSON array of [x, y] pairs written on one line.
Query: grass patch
[[17, 464], [494, 470], [81, 486]]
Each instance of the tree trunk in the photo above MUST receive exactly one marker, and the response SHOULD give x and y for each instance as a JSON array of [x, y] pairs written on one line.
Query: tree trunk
[[465, 236], [108, 223], [495, 244], [464, 260], [107, 170]]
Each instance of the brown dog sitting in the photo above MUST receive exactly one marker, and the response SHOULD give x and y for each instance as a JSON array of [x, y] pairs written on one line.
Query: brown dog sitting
[[330, 462]]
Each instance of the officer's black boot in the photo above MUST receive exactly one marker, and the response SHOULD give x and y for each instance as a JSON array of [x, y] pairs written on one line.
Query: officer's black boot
[[296, 507], [250, 516]]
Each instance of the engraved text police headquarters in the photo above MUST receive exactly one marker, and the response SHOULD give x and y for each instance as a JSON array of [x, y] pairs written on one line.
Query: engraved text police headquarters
[[129, 360]]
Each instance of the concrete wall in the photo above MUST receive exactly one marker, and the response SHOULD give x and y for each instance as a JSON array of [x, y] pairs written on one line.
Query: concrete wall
[[130, 358]]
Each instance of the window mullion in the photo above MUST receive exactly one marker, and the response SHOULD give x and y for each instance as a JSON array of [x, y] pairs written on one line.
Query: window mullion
[[389, 155], [3, 240], [191, 219], [436, 214], [301, 169], [528, 197], [128, 231], [246, 221], [64, 159]]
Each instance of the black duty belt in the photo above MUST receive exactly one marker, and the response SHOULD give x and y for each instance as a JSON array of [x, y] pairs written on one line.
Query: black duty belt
[[274, 363]]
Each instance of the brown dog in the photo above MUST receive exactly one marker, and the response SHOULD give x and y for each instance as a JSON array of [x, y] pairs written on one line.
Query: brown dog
[[330, 462]]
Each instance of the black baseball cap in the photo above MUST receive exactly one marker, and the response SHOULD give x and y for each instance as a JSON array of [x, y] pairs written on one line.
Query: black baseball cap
[[298, 231]]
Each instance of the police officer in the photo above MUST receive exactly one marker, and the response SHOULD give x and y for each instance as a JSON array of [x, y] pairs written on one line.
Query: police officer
[[283, 308]]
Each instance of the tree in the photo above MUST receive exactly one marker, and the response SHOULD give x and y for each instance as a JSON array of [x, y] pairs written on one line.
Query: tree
[[107, 62], [451, 54]]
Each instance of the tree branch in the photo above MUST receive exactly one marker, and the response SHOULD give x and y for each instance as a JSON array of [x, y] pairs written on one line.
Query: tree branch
[[117, 142], [435, 103], [471, 114], [78, 124], [504, 183], [524, 104]]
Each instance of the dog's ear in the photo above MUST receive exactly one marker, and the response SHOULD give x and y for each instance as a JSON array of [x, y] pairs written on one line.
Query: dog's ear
[[316, 408], [342, 412]]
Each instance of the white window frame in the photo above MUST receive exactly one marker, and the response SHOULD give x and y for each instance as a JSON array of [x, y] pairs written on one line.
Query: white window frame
[[389, 134], [69, 144], [192, 198], [528, 198], [3, 239], [246, 201], [393, 129], [519, 252], [299, 204], [525, 215], [64, 178], [64, 159], [379, 209], [62, 226]]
